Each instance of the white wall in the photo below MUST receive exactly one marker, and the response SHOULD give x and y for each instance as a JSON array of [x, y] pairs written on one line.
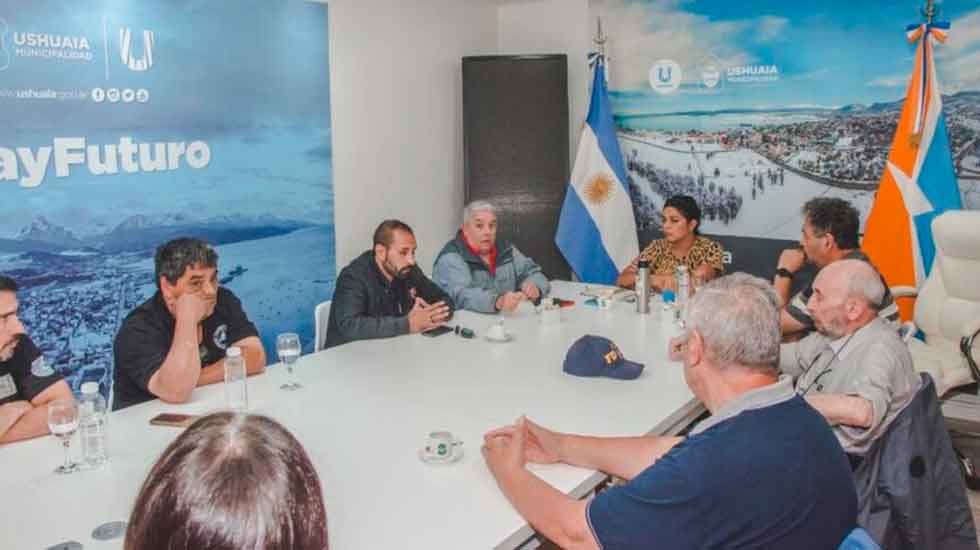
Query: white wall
[[552, 26], [396, 102]]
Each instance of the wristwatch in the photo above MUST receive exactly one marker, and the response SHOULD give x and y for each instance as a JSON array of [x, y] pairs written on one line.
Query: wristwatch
[[783, 272]]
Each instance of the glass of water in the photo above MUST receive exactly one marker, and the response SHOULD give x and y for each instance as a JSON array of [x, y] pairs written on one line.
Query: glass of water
[[63, 423], [288, 347]]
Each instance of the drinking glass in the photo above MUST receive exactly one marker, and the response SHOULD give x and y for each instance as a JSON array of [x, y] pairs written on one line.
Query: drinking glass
[[63, 422], [288, 347]]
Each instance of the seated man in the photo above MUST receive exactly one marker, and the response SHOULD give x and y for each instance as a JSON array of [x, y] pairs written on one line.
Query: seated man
[[24, 396], [830, 233], [176, 340], [764, 471], [382, 293], [483, 275], [855, 369]]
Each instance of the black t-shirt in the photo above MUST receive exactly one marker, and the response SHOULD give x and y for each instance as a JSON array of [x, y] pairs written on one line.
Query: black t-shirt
[[17, 382], [146, 335]]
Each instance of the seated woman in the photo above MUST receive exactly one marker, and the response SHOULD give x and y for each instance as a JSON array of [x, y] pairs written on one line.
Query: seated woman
[[230, 482], [682, 244]]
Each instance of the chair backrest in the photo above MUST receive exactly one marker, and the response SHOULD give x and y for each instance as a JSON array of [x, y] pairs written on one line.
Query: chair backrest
[[321, 315], [911, 493], [951, 296], [859, 539]]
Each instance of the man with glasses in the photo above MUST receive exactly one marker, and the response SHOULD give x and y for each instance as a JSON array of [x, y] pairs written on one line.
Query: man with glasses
[[24, 395], [830, 233], [176, 340], [855, 369]]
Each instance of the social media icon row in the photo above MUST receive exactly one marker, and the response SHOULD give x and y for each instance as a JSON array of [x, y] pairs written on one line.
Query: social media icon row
[[115, 95]]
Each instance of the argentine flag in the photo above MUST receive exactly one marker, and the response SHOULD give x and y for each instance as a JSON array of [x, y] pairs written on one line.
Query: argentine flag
[[596, 230]]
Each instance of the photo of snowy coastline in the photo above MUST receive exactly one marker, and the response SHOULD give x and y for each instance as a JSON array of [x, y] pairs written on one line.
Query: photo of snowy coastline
[[752, 128], [231, 145]]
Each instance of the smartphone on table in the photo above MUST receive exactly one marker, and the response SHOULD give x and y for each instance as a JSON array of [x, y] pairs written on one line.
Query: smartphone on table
[[176, 420]]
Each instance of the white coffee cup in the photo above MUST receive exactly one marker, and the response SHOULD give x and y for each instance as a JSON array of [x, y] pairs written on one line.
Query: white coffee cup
[[550, 315], [439, 446], [497, 332]]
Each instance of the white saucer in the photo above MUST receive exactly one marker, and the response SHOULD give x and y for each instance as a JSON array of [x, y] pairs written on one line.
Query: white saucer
[[455, 457], [507, 338]]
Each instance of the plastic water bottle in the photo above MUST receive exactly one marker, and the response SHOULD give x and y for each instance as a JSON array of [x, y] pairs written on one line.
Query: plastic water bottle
[[642, 287], [236, 389], [92, 425], [667, 316], [683, 279]]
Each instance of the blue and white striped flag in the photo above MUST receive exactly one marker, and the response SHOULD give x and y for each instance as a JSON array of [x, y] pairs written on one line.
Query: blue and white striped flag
[[597, 230]]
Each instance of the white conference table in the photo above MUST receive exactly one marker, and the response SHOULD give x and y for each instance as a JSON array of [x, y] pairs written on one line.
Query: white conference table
[[364, 411]]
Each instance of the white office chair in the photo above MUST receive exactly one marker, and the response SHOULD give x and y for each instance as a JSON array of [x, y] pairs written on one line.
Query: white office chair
[[947, 308], [321, 315]]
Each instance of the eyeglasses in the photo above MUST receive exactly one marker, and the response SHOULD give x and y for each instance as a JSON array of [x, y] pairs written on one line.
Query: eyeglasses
[[827, 369]]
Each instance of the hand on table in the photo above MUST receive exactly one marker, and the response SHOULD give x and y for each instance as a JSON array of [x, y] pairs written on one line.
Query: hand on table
[[539, 444], [510, 301], [531, 290], [423, 316]]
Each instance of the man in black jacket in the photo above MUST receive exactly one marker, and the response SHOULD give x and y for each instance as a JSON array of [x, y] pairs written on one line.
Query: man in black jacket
[[382, 293]]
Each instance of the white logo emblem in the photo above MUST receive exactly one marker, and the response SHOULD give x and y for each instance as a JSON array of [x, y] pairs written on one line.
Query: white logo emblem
[[4, 55], [126, 50], [665, 76], [710, 76], [221, 336]]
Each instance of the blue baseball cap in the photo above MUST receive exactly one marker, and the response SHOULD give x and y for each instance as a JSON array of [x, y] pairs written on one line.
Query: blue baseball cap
[[593, 355]]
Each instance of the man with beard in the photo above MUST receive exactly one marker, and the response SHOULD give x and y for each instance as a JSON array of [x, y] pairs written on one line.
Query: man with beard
[[382, 293], [24, 396], [176, 340], [854, 368]]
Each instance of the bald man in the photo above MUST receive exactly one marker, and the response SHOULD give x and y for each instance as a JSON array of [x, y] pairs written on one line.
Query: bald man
[[855, 370]]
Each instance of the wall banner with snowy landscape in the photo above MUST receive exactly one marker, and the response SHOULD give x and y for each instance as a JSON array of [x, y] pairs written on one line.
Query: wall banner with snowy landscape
[[755, 107], [126, 124]]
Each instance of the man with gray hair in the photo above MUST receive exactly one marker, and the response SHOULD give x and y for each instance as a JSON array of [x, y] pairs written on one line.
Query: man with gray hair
[[855, 369], [691, 492], [484, 275]]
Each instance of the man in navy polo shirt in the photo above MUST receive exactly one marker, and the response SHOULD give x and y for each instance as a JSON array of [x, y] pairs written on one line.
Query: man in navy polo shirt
[[764, 471]]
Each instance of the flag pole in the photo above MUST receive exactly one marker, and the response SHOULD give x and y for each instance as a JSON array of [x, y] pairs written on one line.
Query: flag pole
[[601, 38]]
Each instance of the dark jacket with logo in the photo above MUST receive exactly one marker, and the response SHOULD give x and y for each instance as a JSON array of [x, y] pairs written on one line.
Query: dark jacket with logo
[[365, 305], [911, 494]]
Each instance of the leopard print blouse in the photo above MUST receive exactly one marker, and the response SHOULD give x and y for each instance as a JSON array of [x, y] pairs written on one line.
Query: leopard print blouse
[[663, 262]]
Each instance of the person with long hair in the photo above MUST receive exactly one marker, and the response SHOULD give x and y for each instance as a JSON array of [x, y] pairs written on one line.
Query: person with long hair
[[682, 245], [230, 482]]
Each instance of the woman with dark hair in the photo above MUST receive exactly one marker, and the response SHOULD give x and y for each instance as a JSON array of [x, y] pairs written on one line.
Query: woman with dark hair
[[230, 482], [682, 244]]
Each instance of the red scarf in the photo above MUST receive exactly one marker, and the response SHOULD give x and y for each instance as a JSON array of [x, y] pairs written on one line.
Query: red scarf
[[492, 265]]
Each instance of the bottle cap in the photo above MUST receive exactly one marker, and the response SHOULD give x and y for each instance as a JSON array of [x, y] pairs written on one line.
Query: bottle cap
[[90, 387], [233, 351], [668, 295], [643, 263]]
